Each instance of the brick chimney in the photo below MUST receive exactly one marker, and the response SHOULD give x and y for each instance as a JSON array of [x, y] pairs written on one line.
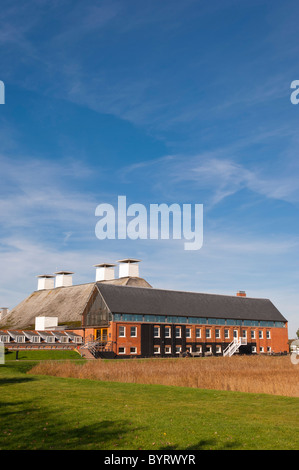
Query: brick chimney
[[241, 293]]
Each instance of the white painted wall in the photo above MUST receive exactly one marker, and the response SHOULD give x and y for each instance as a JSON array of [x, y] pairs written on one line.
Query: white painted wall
[[45, 283], [128, 270], [43, 323]]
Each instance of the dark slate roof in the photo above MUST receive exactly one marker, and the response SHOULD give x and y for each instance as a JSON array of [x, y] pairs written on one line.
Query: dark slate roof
[[139, 300]]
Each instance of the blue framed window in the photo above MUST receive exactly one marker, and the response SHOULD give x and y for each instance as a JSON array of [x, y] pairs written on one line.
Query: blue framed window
[[251, 323], [172, 319], [279, 324], [216, 321], [229, 321], [160, 318], [197, 321], [132, 317], [267, 323]]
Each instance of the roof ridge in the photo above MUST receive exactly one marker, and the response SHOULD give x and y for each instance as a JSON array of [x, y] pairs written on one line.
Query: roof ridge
[[186, 292]]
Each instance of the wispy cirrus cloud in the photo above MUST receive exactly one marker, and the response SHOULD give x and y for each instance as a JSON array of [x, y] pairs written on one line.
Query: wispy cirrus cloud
[[217, 176]]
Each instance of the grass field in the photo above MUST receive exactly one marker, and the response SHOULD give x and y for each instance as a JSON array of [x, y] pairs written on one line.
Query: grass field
[[40, 355], [45, 412]]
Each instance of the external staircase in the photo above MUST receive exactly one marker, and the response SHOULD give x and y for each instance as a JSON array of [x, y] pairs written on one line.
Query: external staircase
[[234, 346], [97, 350]]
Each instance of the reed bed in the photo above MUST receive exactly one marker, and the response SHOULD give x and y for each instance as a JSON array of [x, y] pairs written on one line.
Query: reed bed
[[251, 374]]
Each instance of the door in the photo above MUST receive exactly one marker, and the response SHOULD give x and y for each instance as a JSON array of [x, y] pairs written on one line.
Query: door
[[101, 334]]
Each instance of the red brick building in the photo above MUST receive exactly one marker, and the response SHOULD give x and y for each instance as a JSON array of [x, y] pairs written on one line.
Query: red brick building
[[126, 317]]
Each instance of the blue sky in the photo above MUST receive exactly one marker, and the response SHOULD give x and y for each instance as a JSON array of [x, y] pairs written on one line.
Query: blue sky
[[164, 102]]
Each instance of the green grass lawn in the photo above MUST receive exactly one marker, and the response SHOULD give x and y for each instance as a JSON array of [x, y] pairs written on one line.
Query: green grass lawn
[[39, 412], [41, 355]]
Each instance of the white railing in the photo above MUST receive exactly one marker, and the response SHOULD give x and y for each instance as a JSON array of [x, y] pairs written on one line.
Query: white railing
[[234, 346]]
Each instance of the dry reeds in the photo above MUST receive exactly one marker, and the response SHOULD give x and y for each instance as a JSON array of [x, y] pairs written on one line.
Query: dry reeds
[[253, 374]]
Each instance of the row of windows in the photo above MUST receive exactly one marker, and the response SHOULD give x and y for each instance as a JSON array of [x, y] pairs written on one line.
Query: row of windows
[[194, 320], [178, 349], [38, 339], [188, 333], [123, 350]]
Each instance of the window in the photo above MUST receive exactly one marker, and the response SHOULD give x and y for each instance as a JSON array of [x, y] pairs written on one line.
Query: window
[[133, 331], [4, 339], [268, 333], [133, 350], [156, 349], [235, 333], [129, 317], [267, 323], [188, 332], [178, 332], [198, 332], [156, 332], [182, 320], [208, 333], [198, 349], [20, 339], [269, 349], [63, 339], [35, 339], [253, 349], [167, 332], [198, 321], [234, 322], [217, 333], [251, 323], [178, 349], [50, 339], [122, 331], [226, 334], [216, 321], [218, 349], [160, 318], [167, 349], [208, 350], [77, 339], [149, 318], [252, 334], [260, 334], [172, 319], [121, 350], [261, 349], [244, 334]]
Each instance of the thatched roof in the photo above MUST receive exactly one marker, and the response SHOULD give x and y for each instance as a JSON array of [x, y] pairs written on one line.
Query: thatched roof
[[128, 281], [66, 303]]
